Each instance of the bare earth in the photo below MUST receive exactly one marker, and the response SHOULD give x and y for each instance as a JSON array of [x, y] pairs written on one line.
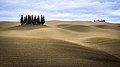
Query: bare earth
[[60, 44]]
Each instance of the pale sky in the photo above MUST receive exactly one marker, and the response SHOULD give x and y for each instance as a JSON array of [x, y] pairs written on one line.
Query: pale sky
[[83, 10]]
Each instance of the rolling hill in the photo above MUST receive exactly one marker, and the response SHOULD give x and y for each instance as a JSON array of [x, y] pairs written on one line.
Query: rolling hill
[[60, 44]]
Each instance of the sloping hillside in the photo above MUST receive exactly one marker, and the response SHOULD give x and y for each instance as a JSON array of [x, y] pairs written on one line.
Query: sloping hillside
[[60, 43]]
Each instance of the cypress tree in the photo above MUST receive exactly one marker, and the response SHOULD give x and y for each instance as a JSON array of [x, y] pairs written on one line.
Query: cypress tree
[[21, 20], [32, 19], [26, 21], [42, 19], [38, 20]]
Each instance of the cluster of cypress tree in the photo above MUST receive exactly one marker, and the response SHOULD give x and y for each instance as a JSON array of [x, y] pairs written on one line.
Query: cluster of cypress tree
[[30, 19]]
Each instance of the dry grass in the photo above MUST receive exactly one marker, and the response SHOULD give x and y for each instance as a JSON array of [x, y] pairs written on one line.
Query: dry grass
[[53, 52], [103, 41], [109, 45], [59, 44], [114, 27], [77, 28]]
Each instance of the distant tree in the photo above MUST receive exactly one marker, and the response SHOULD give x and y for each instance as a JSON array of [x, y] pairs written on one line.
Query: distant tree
[[29, 19], [24, 21], [32, 19], [38, 20], [21, 20], [103, 20], [42, 20]]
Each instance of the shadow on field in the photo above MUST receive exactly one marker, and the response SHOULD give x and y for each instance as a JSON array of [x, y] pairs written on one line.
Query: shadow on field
[[76, 28], [26, 52], [27, 27], [115, 27]]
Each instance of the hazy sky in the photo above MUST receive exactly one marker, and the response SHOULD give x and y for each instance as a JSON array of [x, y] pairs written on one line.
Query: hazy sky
[[61, 9]]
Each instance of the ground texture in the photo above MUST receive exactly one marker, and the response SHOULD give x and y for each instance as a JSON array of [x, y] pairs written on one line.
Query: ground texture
[[60, 44]]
